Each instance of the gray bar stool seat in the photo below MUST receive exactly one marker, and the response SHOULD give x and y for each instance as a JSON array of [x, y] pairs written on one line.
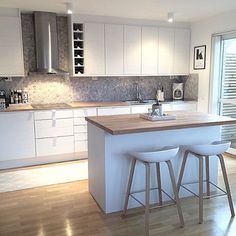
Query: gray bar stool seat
[[202, 151], [163, 155]]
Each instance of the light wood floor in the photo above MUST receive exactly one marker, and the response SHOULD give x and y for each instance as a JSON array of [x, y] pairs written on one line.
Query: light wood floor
[[68, 209]]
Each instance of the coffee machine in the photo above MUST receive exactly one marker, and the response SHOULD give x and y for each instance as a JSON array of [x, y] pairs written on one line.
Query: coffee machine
[[3, 103], [178, 91]]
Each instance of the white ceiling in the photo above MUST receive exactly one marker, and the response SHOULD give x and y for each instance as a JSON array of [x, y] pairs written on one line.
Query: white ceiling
[[185, 10]]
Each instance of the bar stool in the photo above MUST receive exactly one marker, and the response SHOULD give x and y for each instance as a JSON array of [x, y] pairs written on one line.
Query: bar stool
[[147, 158], [216, 148]]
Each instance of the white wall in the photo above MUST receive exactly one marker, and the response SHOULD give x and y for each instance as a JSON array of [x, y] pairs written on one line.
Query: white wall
[[201, 35]]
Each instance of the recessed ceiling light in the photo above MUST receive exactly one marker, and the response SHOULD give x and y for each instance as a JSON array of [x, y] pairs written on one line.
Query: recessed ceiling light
[[170, 17], [69, 8]]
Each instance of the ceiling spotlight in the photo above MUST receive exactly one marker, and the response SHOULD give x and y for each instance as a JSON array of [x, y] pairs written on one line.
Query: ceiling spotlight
[[170, 17], [69, 8]]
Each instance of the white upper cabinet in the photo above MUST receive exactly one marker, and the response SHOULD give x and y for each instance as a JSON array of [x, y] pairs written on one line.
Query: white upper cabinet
[[11, 48], [94, 47], [132, 50], [149, 50], [114, 52], [181, 51], [166, 51]]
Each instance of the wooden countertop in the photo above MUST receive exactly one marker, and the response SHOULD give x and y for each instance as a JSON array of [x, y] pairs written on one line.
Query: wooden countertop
[[124, 124], [32, 107]]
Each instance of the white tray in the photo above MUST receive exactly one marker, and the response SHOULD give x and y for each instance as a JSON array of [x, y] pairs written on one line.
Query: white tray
[[156, 118]]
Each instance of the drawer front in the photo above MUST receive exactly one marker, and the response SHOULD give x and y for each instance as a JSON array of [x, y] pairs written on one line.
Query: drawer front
[[81, 146], [80, 129], [85, 112], [80, 121], [54, 146], [140, 109], [105, 111], [184, 107], [166, 107], [54, 128], [53, 114], [121, 110], [81, 137]]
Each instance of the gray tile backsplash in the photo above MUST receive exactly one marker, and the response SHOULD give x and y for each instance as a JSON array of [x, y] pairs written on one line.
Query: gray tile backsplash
[[56, 89]]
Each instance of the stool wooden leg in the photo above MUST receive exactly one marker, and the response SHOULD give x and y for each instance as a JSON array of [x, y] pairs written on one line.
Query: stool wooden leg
[[222, 163], [172, 177], [131, 174], [207, 176], [200, 189], [158, 170], [182, 170], [147, 198]]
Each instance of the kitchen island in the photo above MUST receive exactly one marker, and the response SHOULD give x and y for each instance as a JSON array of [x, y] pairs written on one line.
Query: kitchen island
[[112, 138]]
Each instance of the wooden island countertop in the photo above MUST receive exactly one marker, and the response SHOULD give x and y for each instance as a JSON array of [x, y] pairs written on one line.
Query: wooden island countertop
[[125, 124]]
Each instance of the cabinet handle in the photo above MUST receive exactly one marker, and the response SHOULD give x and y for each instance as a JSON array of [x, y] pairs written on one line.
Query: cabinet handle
[[54, 114]]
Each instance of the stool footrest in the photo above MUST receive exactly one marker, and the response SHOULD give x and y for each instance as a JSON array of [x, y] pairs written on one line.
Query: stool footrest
[[141, 191], [205, 197]]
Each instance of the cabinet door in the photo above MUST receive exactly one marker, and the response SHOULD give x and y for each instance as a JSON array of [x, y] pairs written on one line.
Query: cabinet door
[[17, 139], [114, 48], [132, 50], [11, 60], [105, 111], [149, 50], [94, 58], [184, 107], [166, 51], [121, 110], [181, 51]]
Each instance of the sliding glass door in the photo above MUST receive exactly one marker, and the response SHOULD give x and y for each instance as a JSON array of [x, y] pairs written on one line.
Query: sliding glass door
[[227, 87]]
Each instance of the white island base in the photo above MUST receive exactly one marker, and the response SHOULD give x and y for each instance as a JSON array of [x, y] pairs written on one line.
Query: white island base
[[109, 163]]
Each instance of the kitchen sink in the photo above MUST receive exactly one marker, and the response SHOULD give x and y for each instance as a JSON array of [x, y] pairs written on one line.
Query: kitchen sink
[[136, 102]]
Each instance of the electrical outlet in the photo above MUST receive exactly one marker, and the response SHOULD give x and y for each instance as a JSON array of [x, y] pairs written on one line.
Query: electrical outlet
[[8, 79]]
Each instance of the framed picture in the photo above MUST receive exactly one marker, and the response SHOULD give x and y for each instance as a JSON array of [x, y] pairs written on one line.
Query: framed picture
[[199, 61]]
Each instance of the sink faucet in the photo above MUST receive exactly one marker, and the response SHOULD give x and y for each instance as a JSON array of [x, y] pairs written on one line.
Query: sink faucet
[[138, 95]]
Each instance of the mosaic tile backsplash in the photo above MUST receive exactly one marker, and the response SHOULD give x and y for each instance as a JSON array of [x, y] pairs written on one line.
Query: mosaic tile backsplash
[[56, 89]]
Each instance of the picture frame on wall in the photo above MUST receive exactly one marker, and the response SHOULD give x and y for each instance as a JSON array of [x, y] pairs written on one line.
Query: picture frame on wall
[[199, 61]]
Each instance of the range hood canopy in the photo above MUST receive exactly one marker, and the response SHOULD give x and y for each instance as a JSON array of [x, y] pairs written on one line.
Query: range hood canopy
[[47, 43]]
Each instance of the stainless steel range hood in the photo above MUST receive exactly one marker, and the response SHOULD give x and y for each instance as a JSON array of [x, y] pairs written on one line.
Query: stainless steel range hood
[[47, 43]]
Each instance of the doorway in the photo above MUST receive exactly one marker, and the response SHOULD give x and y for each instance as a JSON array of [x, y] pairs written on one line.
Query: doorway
[[225, 72]]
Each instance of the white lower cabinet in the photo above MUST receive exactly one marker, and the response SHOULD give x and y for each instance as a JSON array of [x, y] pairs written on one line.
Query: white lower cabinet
[[184, 107], [81, 146], [55, 145], [17, 135]]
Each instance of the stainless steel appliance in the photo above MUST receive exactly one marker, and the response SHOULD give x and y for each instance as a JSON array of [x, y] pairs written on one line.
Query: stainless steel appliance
[[178, 91]]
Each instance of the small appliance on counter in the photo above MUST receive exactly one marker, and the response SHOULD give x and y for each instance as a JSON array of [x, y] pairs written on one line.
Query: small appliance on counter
[[3, 103], [178, 91]]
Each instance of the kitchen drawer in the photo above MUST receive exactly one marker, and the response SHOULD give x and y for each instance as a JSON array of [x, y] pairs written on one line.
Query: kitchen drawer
[[121, 110], [184, 107], [53, 114], [166, 107], [81, 136], [80, 121], [81, 146], [54, 146], [80, 129], [53, 128], [85, 112], [104, 111], [140, 109]]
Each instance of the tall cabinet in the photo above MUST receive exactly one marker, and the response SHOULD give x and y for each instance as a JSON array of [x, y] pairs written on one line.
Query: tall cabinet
[[132, 50], [114, 53], [11, 48], [94, 56]]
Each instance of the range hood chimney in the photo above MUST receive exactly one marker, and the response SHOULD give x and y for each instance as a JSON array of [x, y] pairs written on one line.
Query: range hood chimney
[[47, 43]]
